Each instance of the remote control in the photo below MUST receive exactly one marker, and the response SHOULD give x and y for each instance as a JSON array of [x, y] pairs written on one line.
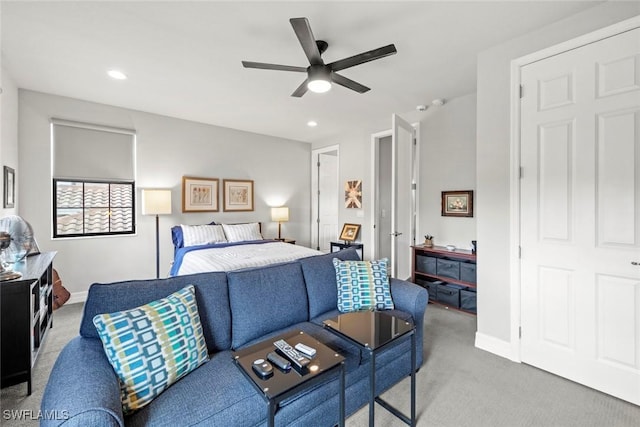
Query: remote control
[[306, 350], [279, 361], [262, 368], [295, 357]]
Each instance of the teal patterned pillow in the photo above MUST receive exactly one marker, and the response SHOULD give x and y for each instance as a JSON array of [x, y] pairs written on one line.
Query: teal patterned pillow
[[152, 346], [363, 285]]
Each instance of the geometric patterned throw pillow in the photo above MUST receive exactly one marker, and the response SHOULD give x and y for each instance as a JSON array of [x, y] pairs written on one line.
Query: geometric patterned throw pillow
[[363, 285], [152, 346]]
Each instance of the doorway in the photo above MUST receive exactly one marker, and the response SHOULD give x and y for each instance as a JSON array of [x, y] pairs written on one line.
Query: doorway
[[325, 164], [394, 210]]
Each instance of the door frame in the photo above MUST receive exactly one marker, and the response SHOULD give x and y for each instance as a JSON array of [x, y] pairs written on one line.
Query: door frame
[[314, 191], [515, 353], [375, 150]]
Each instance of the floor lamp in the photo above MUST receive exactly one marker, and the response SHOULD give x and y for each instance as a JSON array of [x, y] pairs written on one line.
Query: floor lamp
[[280, 215], [156, 202]]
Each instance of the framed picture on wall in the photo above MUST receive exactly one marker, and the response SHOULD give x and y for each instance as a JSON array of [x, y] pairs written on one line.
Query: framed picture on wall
[[237, 195], [199, 194], [9, 187], [457, 203], [349, 232]]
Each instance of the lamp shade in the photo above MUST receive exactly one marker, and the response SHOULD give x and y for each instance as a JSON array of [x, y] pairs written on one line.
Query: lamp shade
[[156, 202], [280, 214]]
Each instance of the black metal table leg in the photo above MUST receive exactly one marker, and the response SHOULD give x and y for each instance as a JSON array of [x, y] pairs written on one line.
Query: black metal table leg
[[413, 379], [342, 387], [372, 391]]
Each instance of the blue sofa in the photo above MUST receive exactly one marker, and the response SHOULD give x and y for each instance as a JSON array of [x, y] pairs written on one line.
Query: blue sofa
[[236, 309]]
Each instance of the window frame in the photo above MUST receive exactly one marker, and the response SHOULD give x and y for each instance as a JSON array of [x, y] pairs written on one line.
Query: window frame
[[56, 235]]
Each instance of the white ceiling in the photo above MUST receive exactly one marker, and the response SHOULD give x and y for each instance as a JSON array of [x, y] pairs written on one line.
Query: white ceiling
[[183, 59]]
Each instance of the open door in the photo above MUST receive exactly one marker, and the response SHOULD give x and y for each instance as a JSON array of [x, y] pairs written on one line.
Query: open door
[[325, 196], [403, 196]]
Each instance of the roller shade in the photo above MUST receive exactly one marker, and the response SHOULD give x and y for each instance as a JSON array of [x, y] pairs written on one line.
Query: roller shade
[[84, 151]]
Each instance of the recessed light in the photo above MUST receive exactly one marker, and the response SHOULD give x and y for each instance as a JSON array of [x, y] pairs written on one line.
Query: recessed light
[[439, 102], [312, 123], [116, 74]]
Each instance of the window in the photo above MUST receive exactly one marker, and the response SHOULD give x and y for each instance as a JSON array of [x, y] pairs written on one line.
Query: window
[[85, 208], [93, 172]]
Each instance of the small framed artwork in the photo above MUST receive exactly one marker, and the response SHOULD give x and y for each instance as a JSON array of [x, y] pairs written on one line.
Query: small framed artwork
[[353, 194], [457, 203], [349, 232], [9, 187], [237, 195], [199, 194]]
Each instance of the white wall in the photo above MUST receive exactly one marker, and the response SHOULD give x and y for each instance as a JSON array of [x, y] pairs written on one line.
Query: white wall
[[8, 137], [448, 163], [167, 149], [493, 153]]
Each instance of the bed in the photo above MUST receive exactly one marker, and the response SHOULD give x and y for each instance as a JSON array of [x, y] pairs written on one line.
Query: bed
[[227, 247]]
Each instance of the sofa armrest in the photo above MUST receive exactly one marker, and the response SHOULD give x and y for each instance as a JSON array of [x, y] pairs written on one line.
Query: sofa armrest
[[83, 389], [411, 299]]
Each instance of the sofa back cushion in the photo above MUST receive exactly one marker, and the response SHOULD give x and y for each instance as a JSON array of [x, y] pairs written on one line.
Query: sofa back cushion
[[320, 278], [212, 298], [266, 299]]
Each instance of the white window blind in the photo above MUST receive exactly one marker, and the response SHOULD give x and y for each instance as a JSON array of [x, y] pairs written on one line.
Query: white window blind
[[84, 151]]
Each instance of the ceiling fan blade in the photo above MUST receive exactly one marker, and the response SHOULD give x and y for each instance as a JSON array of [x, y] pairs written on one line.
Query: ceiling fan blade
[[348, 83], [305, 36], [361, 58], [265, 66], [301, 90]]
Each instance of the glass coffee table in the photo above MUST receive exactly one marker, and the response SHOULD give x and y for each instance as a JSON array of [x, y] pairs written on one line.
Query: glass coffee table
[[281, 384], [374, 331]]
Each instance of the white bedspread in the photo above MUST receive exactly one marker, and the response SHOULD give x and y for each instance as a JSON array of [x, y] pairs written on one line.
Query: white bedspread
[[242, 256]]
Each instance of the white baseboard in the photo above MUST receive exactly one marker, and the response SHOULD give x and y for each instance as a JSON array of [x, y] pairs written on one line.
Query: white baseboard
[[494, 345], [77, 297]]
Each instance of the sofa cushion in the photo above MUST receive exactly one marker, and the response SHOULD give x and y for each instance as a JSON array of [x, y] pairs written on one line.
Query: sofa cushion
[[152, 346], [320, 279], [216, 394], [265, 299], [211, 295], [363, 285]]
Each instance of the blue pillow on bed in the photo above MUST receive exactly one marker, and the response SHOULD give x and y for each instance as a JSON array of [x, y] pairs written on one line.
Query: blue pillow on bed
[[177, 236]]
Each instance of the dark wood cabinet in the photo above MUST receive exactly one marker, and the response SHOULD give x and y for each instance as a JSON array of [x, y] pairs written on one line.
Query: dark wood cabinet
[[452, 273], [26, 317]]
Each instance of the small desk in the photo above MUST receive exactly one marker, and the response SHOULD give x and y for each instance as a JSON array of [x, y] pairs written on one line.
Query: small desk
[[284, 384], [372, 331], [340, 246]]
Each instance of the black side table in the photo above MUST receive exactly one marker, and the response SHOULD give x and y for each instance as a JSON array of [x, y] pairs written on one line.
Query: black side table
[[339, 246], [373, 331], [284, 384]]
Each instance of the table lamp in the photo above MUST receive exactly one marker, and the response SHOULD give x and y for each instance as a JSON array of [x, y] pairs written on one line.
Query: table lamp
[[280, 215], [156, 202]]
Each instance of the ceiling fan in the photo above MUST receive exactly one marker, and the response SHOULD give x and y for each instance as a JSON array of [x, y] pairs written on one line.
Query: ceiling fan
[[321, 75]]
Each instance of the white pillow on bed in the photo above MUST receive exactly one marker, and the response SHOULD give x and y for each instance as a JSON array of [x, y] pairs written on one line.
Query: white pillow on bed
[[202, 234], [242, 232]]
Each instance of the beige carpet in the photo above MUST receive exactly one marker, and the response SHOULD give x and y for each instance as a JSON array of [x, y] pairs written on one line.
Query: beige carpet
[[458, 385]]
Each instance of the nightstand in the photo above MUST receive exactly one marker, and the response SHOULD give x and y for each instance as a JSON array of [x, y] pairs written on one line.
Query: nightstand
[[339, 246]]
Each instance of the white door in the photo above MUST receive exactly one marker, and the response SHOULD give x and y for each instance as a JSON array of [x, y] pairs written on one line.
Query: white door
[[403, 196], [580, 215], [325, 199]]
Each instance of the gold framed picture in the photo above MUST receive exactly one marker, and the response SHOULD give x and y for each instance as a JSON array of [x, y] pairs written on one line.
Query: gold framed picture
[[349, 232], [237, 195], [199, 194]]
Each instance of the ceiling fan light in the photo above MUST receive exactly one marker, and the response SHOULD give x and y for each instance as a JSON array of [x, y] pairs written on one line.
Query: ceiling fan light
[[319, 86]]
